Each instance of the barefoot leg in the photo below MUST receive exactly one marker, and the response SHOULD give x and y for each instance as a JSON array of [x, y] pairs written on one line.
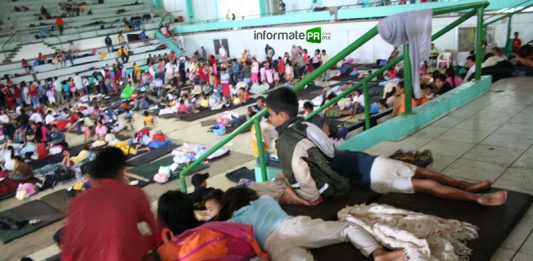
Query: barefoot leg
[[435, 188], [423, 173]]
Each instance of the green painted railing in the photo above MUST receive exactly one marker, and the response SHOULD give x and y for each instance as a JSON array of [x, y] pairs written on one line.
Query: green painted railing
[[477, 8]]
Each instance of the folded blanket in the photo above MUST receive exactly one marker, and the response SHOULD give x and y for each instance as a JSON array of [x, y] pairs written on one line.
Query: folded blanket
[[422, 236]]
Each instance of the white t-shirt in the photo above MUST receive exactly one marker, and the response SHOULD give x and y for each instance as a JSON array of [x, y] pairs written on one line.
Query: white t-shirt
[[359, 99], [49, 119], [36, 117], [4, 118], [78, 82]]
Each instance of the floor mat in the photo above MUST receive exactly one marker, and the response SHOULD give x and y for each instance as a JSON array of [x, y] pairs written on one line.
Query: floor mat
[[208, 123], [151, 155], [203, 114], [328, 209], [32, 210], [58, 200], [241, 173], [494, 223]]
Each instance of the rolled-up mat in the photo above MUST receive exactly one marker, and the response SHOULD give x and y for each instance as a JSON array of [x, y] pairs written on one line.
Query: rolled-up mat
[[35, 209]]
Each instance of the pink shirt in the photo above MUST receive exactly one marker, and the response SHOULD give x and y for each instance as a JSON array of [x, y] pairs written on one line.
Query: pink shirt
[[101, 130], [183, 108], [458, 81]]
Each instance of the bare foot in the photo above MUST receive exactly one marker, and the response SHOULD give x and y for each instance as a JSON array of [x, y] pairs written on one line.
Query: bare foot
[[475, 187], [493, 199], [383, 255]]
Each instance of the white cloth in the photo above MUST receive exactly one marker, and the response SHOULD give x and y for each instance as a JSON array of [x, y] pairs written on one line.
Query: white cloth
[[491, 61], [414, 28], [422, 236]]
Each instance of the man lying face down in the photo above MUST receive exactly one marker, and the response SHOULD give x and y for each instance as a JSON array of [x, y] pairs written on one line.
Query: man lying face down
[[313, 169]]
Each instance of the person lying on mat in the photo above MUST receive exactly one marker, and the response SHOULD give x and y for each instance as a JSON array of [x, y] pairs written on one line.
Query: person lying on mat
[[313, 167], [289, 238]]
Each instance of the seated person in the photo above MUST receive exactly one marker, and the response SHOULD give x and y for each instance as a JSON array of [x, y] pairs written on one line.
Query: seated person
[[21, 170], [358, 101], [441, 85], [318, 120], [496, 56], [236, 100], [524, 61], [427, 92], [203, 102], [199, 181], [101, 130], [379, 174], [148, 120], [55, 136], [244, 96], [182, 108]]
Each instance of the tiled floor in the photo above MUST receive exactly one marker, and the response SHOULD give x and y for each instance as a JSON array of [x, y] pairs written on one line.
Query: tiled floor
[[490, 138]]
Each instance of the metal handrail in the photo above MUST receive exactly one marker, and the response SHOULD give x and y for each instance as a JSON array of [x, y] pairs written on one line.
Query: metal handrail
[[477, 7], [8, 40]]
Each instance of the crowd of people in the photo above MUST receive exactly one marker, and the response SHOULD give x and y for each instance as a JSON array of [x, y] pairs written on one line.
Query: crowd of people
[[277, 234], [33, 126]]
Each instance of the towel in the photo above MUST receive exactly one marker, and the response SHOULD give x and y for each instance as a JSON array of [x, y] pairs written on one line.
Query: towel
[[414, 28]]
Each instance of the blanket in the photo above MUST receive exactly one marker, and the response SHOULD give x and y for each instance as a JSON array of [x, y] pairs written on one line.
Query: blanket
[[422, 236]]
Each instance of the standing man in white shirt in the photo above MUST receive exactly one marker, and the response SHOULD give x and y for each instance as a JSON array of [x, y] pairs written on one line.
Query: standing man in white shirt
[[58, 90], [79, 84]]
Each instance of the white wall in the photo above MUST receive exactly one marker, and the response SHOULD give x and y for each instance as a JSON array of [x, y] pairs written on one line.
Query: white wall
[[176, 7], [306, 4], [342, 34]]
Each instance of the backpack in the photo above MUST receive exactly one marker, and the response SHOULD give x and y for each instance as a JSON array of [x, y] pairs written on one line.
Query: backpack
[[211, 241]]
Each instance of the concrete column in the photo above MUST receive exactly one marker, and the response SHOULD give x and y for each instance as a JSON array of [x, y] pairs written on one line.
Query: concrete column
[[263, 7]]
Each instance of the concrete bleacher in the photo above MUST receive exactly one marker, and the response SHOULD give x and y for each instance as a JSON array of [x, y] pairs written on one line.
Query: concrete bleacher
[[136, 48], [77, 27], [87, 65]]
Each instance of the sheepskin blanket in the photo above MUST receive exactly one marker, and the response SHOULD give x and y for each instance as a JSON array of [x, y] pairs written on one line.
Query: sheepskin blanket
[[422, 236]]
